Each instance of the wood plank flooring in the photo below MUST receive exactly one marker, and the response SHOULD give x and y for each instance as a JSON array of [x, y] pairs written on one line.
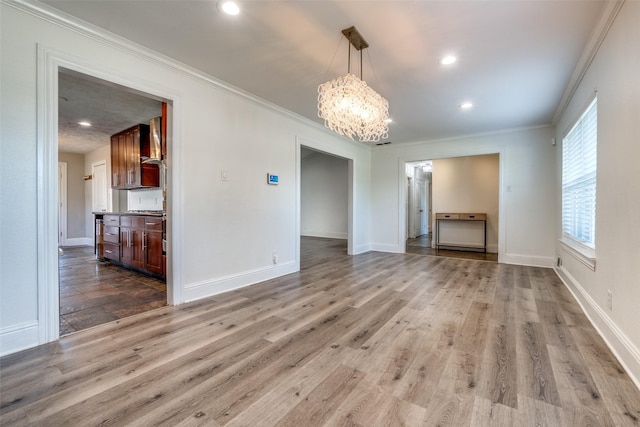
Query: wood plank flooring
[[370, 340], [421, 245], [93, 292]]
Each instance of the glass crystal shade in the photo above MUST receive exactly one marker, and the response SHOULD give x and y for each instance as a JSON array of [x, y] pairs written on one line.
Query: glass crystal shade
[[350, 107]]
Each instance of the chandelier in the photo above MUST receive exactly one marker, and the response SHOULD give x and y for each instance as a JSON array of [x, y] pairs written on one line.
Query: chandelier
[[349, 106]]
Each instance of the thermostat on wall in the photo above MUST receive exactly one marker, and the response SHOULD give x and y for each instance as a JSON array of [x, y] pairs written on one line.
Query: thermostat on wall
[[272, 179]]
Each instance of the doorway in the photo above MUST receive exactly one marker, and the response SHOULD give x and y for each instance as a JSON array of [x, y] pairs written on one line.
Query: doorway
[[91, 290], [324, 202], [465, 184]]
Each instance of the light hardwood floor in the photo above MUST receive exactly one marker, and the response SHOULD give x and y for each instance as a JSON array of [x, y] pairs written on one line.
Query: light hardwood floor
[[370, 340]]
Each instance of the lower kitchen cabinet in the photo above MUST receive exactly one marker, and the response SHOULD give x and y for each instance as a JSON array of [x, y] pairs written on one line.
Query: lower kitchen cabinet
[[111, 238], [137, 233], [126, 242], [154, 252], [134, 241]]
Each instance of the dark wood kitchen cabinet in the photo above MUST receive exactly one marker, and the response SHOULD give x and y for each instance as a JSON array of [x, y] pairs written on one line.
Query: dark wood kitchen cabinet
[[127, 171], [111, 237], [153, 245], [126, 241], [138, 241], [133, 241], [146, 243]]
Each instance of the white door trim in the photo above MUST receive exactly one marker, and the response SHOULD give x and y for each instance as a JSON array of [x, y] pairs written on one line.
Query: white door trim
[[502, 228], [62, 204], [49, 63], [328, 149]]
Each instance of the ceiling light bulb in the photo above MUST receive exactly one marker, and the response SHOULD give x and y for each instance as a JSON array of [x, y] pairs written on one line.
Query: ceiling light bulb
[[466, 105], [448, 60], [230, 7], [84, 124]]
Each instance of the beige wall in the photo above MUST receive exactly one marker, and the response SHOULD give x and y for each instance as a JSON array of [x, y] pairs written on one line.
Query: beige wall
[[470, 185]]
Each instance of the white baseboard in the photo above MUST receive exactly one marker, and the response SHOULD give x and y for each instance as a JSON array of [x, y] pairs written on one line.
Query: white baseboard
[[622, 347], [18, 337], [207, 288], [325, 234], [384, 247], [360, 249], [78, 241], [533, 261]]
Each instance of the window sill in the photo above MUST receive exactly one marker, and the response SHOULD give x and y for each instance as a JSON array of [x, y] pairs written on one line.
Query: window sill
[[585, 255]]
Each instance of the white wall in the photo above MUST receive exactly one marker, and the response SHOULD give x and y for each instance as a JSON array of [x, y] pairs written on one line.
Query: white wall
[[323, 196], [210, 220], [468, 184], [615, 73], [528, 191]]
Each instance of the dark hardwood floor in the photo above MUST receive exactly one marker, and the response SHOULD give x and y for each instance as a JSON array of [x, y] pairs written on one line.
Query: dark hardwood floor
[[369, 340], [94, 292], [421, 245]]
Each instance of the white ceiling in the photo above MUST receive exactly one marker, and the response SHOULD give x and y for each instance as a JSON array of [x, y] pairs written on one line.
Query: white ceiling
[[515, 58]]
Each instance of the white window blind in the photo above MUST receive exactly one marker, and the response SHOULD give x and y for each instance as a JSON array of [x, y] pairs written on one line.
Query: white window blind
[[579, 167]]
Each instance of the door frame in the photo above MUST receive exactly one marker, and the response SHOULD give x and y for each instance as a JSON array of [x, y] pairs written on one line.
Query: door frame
[[402, 215], [62, 203], [49, 63], [330, 150]]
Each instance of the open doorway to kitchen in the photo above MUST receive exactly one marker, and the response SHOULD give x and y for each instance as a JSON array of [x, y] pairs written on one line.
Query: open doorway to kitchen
[[324, 205], [464, 191], [114, 215]]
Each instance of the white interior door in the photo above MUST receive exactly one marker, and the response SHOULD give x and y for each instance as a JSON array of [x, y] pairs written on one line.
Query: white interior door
[[411, 209], [418, 207], [422, 206], [99, 187], [62, 203]]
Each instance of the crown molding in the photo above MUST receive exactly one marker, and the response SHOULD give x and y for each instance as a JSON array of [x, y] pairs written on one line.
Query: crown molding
[[463, 137], [609, 13]]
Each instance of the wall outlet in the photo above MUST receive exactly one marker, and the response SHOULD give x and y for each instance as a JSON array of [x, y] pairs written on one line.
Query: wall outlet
[[609, 300], [274, 257]]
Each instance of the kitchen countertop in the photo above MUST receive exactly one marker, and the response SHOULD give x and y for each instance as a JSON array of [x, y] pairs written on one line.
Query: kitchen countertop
[[139, 213]]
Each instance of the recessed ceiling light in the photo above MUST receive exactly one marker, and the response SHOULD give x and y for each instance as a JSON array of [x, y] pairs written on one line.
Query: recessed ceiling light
[[466, 106], [448, 60], [229, 7], [84, 123]]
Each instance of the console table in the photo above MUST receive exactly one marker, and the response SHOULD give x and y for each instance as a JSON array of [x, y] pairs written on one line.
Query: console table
[[479, 217]]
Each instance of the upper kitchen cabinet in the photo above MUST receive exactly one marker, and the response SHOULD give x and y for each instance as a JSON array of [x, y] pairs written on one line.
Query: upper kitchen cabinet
[[127, 170]]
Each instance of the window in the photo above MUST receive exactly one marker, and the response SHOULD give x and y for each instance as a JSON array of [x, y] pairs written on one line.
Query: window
[[579, 167]]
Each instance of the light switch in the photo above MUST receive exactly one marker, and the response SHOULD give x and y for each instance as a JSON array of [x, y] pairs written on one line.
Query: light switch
[[223, 176]]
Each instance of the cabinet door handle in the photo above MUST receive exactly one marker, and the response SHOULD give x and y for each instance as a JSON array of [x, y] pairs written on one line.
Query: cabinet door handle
[[128, 238], [144, 241]]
